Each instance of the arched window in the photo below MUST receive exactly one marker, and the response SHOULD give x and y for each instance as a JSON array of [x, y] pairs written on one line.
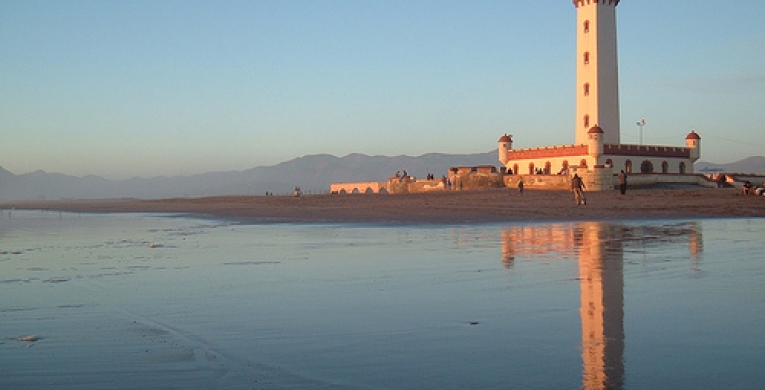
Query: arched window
[[564, 166], [515, 169], [628, 166], [682, 167], [586, 57], [531, 168], [583, 163], [664, 167], [586, 121], [586, 26], [646, 167], [548, 168], [586, 89]]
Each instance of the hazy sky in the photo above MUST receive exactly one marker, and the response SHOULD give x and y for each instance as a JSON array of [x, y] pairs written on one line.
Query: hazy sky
[[148, 88]]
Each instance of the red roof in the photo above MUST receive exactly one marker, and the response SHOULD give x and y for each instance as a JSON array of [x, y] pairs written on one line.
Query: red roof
[[505, 138], [692, 135]]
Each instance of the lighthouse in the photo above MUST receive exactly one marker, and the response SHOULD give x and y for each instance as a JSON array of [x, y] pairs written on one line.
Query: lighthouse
[[597, 70], [597, 151]]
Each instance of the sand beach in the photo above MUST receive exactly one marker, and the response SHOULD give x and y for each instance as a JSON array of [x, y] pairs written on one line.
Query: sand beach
[[482, 206]]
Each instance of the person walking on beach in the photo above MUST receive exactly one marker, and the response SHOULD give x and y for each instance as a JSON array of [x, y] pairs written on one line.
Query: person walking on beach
[[622, 182], [520, 186], [577, 185]]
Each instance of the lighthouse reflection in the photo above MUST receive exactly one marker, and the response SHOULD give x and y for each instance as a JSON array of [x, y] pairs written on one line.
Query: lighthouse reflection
[[599, 248]]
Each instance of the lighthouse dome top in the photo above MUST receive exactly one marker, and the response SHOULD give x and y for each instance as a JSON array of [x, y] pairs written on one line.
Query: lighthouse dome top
[[692, 135], [595, 130], [505, 138]]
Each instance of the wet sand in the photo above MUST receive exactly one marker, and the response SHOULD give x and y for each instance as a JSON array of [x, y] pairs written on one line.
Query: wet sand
[[495, 205]]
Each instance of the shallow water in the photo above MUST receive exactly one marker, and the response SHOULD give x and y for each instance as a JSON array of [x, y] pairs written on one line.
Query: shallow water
[[151, 301]]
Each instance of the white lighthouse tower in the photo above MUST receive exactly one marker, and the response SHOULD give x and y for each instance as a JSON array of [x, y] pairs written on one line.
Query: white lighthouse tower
[[597, 70]]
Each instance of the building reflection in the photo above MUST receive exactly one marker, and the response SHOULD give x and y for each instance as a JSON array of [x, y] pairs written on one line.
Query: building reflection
[[599, 249]]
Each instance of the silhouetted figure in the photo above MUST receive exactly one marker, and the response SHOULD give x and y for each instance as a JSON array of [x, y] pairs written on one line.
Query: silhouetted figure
[[520, 187], [577, 185], [747, 188], [622, 182]]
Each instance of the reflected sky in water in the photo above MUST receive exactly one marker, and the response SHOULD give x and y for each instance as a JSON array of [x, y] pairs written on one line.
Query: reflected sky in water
[[164, 302]]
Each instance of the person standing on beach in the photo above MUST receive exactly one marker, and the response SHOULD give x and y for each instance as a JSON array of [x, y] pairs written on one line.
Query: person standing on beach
[[577, 185], [520, 186], [622, 182]]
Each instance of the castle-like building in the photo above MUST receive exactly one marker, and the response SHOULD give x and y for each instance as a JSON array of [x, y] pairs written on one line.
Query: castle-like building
[[598, 153]]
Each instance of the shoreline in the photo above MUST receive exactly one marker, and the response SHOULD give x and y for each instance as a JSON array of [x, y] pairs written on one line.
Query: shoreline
[[449, 207]]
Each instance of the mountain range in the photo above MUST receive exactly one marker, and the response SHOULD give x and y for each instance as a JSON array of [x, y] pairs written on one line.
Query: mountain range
[[312, 173]]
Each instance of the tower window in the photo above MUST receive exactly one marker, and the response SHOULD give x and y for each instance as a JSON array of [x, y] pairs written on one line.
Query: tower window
[[586, 57], [586, 121], [586, 89], [586, 26]]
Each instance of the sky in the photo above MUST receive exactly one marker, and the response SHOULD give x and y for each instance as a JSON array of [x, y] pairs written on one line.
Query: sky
[[137, 88]]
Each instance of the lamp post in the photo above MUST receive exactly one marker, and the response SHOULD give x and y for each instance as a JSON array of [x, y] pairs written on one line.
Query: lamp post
[[640, 124]]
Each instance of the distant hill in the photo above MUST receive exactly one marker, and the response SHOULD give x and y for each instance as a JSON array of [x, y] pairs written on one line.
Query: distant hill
[[754, 164], [313, 173]]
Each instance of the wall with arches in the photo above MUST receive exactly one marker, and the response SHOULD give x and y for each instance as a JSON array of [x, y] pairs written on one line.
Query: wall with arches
[[646, 165], [369, 187]]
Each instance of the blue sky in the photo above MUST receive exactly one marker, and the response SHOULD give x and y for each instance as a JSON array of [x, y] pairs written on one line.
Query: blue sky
[[147, 88]]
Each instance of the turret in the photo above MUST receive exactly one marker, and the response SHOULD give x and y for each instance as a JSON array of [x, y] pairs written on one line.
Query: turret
[[693, 142], [595, 141], [505, 145]]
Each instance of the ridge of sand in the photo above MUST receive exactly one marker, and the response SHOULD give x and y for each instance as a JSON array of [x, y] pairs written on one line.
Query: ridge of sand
[[480, 206]]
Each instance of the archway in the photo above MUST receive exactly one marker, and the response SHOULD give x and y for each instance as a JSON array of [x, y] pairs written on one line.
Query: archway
[[682, 167], [548, 168], [664, 167], [531, 168], [628, 166], [646, 167]]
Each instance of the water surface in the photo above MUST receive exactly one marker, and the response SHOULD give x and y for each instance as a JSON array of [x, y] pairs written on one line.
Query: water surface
[[151, 301]]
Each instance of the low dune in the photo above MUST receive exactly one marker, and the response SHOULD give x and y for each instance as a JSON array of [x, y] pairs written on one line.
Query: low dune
[[495, 205]]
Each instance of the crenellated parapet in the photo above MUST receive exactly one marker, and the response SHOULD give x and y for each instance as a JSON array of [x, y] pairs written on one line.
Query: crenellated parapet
[[547, 152], [579, 3], [646, 151]]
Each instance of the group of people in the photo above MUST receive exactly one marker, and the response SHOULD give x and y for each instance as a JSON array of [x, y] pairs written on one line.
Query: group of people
[[749, 189]]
